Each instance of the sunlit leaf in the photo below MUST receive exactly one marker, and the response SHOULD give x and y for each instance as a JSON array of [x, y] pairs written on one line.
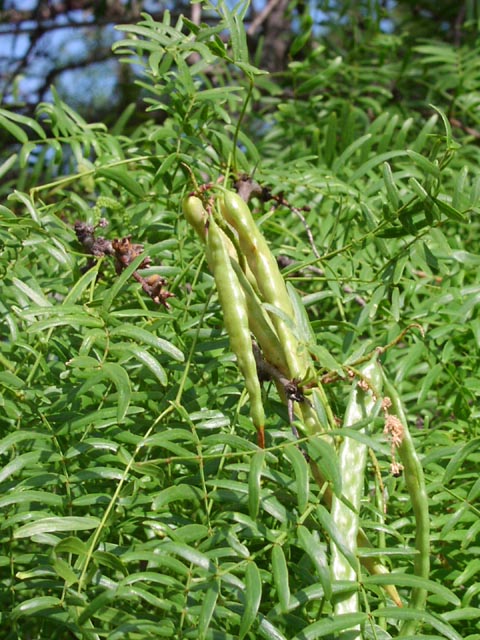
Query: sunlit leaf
[[253, 595], [56, 525]]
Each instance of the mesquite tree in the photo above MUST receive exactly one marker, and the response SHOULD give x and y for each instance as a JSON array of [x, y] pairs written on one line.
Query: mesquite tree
[[138, 501]]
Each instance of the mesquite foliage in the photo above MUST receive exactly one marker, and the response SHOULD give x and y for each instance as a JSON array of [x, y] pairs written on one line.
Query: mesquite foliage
[[135, 499], [267, 342]]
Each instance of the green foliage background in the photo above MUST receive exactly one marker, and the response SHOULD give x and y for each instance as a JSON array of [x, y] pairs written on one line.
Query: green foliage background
[[134, 502]]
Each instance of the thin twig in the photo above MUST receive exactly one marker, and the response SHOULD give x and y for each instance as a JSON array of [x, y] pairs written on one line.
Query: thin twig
[[300, 215], [196, 14], [471, 132]]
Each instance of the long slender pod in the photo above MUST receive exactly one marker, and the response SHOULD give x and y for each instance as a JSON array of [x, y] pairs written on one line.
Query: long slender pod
[[397, 427], [345, 510], [235, 316], [265, 332], [261, 325], [269, 279], [373, 565]]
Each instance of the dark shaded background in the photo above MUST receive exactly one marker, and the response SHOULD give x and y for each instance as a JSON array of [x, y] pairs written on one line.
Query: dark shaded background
[[68, 43]]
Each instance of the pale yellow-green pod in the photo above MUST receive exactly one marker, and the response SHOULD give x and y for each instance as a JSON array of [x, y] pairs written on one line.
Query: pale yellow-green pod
[[269, 280], [235, 317], [345, 510], [261, 326], [195, 215]]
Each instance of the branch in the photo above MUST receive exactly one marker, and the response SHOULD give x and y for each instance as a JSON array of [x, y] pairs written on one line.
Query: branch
[[471, 132], [262, 16], [45, 16], [49, 11]]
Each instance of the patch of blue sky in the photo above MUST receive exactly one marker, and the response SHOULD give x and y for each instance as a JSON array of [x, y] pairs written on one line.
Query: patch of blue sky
[[21, 5], [90, 90]]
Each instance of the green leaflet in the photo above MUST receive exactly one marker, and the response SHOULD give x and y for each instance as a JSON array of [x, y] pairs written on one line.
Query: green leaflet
[[56, 525]]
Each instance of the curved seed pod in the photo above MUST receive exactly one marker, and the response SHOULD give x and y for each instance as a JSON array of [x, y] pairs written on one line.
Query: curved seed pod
[[260, 325], [195, 214], [269, 279], [415, 482], [232, 301], [372, 564], [352, 458]]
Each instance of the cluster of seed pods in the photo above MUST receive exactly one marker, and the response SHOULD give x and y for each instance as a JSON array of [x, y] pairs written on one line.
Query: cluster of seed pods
[[255, 301]]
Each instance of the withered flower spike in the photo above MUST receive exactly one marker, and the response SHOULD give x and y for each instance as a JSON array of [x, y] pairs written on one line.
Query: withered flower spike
[[394, 429], [386, 403], [162, 298], [125, 253], [95, 246], [396, 469], [363, 385], [102, 247], [153, 288], [85, 233]]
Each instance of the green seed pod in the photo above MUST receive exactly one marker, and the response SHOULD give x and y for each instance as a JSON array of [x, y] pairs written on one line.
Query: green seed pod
[[261, 325], [396, 421], [267, 274], [195, 214], [352, 458], [232, 301], [197, 217]]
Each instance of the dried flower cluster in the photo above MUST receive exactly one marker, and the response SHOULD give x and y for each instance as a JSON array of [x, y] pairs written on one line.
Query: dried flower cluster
[[394, 430], [124, 251], [364, 385]]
